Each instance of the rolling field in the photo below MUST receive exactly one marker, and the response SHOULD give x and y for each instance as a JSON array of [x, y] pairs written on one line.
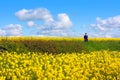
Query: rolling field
[[34, 58]]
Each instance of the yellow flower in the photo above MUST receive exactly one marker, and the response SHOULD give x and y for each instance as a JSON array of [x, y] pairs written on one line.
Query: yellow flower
[[14, 78]]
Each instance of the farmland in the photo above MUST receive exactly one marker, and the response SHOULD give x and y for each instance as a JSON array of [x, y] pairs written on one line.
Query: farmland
[[57, 44], [33, 58]]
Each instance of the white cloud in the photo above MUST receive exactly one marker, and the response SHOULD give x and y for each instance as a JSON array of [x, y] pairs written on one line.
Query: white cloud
[[2, 32], [107, 24], [30, 23], [100, 34], [109, 27], [63, 21], [49, 25], [34, 14], [11, 30], [54, 33]]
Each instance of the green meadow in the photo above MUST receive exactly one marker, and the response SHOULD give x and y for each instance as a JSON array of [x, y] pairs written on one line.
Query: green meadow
[[57, 44]]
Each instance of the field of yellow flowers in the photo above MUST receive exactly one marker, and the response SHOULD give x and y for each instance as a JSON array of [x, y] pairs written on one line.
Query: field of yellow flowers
[[54, 58], [96, 65]]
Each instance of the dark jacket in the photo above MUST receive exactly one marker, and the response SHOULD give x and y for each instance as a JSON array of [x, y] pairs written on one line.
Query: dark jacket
[[85, 38]]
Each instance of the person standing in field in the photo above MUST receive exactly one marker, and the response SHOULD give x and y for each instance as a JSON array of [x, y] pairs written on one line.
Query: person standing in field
[[86, 37]]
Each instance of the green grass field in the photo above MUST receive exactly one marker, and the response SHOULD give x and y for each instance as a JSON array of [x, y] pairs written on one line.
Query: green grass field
[[58, 45]]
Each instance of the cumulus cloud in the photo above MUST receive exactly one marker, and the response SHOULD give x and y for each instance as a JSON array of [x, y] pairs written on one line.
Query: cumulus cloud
[[63, 21], [34, 14], [53, 32], [30, 23], [46, 24], [11, 30], [2, 32], [107, 24], [109, 27], [101, 34]]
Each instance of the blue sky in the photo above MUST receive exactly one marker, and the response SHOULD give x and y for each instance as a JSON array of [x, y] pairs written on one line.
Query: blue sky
[[98, 18]]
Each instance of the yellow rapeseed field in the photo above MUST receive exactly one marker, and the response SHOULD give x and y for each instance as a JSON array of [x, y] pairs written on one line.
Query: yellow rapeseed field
[[56, 38], [98, 65]]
